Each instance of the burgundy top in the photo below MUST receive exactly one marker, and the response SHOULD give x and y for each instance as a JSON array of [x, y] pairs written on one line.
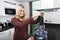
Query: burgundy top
[[21, 27]]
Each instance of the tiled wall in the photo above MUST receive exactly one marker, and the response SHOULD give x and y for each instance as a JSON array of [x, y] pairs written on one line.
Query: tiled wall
[[53, 16], [4, 18]]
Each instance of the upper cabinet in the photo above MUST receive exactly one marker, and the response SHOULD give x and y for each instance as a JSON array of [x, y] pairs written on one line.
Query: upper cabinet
[[43, 4], [2, 8], [10, 4], [57, 3], [36, 5], [46, 4], [23, 1], [7, 4]]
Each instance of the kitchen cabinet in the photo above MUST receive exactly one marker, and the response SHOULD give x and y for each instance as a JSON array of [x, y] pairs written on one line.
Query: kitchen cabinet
[[11, 33], [7, 35], [43, 4], [36, 5], [4, 35], [4, 5], [56, 3], [2, 11]]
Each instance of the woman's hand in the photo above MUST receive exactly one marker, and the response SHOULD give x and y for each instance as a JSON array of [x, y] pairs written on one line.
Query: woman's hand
[[31, 38], [41, 14], [38, 14]]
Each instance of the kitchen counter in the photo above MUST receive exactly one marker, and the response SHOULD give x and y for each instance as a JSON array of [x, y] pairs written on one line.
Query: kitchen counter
[[5, 26], [4, 29], [50, 23]]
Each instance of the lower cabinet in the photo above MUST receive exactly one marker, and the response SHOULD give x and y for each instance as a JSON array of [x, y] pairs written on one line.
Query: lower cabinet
[[11, 33], [7, 35], [4, 35]]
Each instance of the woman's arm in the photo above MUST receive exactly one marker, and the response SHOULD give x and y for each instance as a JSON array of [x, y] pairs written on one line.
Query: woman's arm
[[36, 19], [18, 23]]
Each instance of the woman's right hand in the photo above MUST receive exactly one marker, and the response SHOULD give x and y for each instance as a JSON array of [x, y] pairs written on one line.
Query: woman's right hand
[[31, 38]]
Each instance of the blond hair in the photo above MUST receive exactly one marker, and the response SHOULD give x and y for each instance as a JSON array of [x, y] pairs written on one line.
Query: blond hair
[[17, 13]]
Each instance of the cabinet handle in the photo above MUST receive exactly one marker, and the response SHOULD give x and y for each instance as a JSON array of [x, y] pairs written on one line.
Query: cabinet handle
[[9, 32]]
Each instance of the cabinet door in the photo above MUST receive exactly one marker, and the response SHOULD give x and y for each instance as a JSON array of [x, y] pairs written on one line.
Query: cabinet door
[[57, 3], [2, 9], [47, 4], [11, 33], [36, 5], [4, 35]]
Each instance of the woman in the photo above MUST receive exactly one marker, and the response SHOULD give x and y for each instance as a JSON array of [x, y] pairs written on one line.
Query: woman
[[21, 23]]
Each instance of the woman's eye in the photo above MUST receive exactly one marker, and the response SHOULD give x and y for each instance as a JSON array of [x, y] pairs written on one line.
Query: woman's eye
[[20, 10], [23, 11]]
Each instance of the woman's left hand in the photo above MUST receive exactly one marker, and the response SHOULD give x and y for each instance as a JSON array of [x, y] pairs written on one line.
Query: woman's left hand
[[41, 14]]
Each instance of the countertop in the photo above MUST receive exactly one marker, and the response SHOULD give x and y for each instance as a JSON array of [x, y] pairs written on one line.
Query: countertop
[[50, 23], [4, 29]]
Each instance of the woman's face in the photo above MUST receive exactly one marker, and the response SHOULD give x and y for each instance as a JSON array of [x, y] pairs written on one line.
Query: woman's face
[[22, 12]]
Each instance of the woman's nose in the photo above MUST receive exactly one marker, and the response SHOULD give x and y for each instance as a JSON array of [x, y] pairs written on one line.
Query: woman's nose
[[22, 12]]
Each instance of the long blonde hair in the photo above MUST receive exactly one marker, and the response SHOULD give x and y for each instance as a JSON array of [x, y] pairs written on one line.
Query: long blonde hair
[[17, 13]]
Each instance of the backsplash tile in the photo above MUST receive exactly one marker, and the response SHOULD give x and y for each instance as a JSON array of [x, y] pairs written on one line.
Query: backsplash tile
[[4, 18]]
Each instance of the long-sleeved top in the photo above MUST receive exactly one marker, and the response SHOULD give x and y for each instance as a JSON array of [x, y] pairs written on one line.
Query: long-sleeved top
[[21, 27]]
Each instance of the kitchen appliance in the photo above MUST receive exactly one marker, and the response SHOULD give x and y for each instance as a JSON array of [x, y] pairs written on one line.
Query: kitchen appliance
[[10, 11]]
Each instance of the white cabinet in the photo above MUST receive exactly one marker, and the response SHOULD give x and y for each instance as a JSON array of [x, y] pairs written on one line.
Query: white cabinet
[[36, 5], [2, 10], [7, 5], [7, 35], [4, 5], [56, 3], [11, 32], [4, 35], [45, 4]]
